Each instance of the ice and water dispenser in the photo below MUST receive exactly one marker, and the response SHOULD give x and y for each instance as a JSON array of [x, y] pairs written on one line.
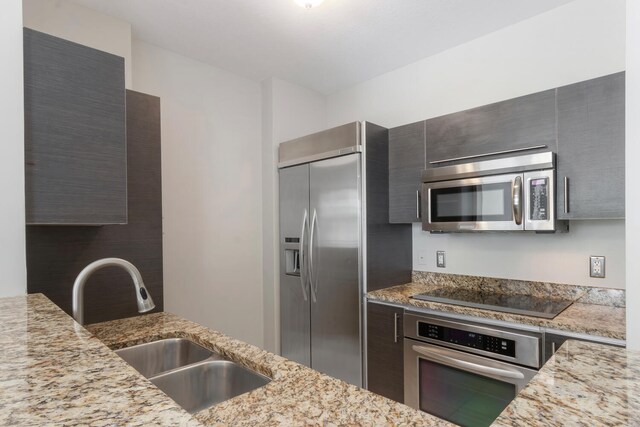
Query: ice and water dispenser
[[292, 262]]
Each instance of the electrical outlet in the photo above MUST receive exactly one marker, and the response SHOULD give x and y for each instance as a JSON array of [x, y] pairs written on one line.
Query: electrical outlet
[[596, 266], [422, 257], [440, 262]]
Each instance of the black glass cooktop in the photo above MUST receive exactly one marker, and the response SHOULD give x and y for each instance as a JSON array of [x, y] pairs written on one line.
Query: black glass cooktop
[[508, 303]]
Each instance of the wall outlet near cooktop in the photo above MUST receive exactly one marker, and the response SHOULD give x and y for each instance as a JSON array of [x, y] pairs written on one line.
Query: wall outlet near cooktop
[[596, 266], [440, 261]]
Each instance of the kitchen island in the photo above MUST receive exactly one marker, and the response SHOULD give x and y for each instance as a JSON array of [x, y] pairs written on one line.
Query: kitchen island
[[55, 372]]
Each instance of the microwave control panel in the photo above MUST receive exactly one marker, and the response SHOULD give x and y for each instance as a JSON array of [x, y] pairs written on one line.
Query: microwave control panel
[[539, 199], [497, 345]]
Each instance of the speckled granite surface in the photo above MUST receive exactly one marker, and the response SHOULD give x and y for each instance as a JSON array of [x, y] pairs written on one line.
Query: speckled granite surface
[[597, 312], [54, 372], [506, 286], [296, 396], [583, 384]]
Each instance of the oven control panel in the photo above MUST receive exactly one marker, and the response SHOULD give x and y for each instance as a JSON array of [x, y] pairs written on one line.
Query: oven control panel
[[492, 344]]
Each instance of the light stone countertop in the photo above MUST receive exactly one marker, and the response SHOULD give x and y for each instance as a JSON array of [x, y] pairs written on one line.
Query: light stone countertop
[[296, 395], [593, 318], [583, 384], [55, 372]]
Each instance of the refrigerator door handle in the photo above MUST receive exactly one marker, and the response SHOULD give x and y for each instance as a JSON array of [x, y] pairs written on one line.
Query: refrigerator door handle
[[312, 266], [303, 276]]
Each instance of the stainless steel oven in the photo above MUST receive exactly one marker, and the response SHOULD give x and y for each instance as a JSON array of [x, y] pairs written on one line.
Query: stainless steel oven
[[509, 194], [465, 373]]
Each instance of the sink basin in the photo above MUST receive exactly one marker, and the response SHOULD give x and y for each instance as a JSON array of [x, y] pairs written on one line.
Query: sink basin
[[197, 387], [164, 355], [193, 376]]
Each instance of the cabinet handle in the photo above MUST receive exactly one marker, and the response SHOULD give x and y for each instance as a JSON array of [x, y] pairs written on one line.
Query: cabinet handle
[[566, 194], [495, 153], [418, 207], [553, 348], [395, 327]]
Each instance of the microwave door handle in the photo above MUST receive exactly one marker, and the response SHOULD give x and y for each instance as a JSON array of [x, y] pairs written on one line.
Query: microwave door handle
[[469, 366], [516, 196], [303, 268]]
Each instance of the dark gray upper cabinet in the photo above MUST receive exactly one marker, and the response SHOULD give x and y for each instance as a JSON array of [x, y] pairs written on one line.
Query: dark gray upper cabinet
[[75, 133], [519, 123], [406, 163], [591, 138], [385, 361]]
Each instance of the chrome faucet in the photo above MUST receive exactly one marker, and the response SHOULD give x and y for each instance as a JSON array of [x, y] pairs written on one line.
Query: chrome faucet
[[145, 303]]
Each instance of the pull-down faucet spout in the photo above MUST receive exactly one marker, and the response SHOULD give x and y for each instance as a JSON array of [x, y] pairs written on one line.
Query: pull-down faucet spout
[[145, 302]]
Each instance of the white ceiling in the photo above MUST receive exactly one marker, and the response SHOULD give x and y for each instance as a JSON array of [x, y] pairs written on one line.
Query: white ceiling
[[331, 47]]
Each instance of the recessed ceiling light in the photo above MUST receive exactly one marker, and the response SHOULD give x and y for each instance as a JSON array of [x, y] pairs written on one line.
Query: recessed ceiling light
[[308, 4]]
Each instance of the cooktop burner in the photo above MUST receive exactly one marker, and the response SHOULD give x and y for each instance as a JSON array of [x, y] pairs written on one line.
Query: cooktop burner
[[517, 304]]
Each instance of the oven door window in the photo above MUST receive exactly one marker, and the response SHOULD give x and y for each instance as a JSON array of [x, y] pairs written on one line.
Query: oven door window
[[472, 203], [461, 397]]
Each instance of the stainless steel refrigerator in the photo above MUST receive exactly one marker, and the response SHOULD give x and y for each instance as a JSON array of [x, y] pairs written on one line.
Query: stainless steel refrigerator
[[324, 236]]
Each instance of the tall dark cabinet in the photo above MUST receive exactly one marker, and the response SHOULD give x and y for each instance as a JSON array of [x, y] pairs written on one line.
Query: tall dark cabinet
[[75, 135]]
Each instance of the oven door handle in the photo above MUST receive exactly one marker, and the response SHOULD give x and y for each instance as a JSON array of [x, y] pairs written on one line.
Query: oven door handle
[[452, 362]]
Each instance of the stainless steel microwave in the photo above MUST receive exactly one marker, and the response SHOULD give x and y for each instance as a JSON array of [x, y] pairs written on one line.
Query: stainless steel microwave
[[507, 194]]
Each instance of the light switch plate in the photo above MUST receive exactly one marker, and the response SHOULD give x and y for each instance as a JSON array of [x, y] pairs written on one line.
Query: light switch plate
[[596, 266], [440, 261]]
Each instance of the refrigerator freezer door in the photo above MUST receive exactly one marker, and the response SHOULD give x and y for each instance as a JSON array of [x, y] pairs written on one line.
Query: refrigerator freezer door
[[295, 340], [335, 313]]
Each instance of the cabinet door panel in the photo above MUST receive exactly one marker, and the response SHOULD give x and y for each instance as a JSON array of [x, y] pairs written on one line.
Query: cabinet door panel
[[385, 369], [591, 139], [406, 163], [518, 123], [75, 133]]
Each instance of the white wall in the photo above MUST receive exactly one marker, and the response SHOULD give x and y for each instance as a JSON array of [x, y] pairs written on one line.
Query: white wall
[[288, 111], [633, 173], [581, 40], [13, 280], [79, 24], [211, 191]]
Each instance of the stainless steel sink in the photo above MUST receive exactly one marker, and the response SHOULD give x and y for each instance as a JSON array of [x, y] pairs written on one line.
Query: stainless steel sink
[[193, 376], [164, 355], [198, 387]]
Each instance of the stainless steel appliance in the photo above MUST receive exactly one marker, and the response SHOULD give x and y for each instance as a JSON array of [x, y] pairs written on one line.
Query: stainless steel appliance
[[465, 373], [327, 238], [507, 194], [528, 305]]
